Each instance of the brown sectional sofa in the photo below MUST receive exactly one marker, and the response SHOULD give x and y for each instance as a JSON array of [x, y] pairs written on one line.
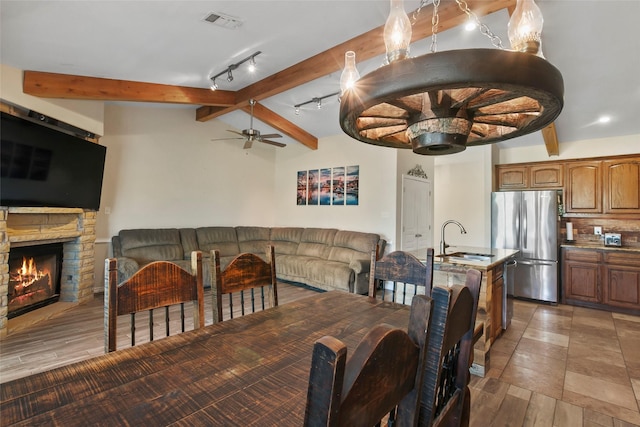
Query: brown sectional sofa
[[324, 258]]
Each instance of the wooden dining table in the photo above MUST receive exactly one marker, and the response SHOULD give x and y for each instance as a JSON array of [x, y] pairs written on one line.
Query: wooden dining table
[[251, 370]]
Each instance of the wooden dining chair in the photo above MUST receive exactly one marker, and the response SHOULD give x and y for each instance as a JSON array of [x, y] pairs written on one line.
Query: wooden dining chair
[[249, 281], [445, 396], [156, 285], [406, 273], [384, 370]]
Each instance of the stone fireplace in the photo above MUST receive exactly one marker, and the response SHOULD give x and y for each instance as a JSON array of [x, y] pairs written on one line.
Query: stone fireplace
[[74, 228]]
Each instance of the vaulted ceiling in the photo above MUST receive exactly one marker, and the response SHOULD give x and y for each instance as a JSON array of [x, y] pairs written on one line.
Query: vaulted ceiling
[[164, 52]]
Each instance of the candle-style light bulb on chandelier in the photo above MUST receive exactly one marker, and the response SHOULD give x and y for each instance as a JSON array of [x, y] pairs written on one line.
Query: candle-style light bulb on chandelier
[[443, 102]]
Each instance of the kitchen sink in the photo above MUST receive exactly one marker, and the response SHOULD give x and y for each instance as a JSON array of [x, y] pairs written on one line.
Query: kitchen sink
[[468, 256]]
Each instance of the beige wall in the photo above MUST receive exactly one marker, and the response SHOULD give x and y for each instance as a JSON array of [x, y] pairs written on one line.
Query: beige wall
[[376, 211]]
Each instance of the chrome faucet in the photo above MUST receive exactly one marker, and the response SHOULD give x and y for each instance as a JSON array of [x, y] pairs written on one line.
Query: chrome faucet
[[443, 245]]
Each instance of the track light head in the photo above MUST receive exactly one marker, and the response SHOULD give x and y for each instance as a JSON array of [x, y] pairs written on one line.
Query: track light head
[[229, 75], [214, 85]]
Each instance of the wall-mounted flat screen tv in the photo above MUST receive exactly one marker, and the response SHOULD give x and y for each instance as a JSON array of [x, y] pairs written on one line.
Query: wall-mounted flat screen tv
[[45, 167]]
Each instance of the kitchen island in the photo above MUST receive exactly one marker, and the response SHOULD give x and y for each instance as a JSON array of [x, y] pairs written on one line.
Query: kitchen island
[[452, 269]]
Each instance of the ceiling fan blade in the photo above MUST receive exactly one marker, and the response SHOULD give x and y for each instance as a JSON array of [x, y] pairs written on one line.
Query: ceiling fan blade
[[277, 144], [225, 139], [248, 144], [237, 133], [271, 135]]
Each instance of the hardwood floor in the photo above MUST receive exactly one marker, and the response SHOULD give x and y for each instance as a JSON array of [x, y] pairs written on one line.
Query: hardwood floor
[[555, 366]]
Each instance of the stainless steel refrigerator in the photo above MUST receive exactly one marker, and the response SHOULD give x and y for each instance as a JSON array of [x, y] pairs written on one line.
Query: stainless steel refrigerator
[[528, 221]]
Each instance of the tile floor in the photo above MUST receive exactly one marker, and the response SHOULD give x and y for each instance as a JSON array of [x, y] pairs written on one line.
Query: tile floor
[[570, 364]]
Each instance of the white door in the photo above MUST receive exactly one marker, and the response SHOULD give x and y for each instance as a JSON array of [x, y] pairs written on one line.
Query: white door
[[416, 213]]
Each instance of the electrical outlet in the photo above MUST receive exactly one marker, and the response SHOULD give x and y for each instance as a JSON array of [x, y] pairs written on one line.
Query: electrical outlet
[[597, 231]]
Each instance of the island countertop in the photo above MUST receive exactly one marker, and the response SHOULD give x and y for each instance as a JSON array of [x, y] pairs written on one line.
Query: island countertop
[[498, 256]]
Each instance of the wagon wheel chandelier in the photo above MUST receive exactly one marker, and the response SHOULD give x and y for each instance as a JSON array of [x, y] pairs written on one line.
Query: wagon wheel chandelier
[[443, 102]]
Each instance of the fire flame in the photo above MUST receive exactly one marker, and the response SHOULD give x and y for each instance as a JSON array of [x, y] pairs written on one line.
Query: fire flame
[[28, 273]]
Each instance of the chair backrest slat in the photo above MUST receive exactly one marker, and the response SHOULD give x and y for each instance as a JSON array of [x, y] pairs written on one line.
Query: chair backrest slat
[[156, 285]]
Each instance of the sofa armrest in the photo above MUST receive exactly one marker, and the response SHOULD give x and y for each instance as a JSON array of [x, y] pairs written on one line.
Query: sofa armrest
[[116, 246], [126, 268], [360, 265]]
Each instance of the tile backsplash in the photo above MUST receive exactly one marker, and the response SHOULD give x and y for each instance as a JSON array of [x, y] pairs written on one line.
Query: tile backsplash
[[583, 230]]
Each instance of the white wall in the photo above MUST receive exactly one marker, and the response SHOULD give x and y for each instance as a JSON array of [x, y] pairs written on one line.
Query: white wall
[[376, 211], [462, 186], [163, 170]]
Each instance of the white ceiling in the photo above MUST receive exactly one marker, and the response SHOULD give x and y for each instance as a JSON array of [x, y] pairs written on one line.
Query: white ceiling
[[595, 44]]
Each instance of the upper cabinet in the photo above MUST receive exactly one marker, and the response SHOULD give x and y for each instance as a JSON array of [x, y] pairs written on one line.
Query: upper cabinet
[[512, 177], [527, 177], [547, 176], [583, 193], [592, 187], [622, 185]]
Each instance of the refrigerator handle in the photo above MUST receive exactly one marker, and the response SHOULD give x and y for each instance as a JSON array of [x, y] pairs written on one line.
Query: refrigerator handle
[[524, 224]]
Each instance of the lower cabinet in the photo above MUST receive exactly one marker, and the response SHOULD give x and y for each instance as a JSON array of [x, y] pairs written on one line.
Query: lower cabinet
[[621, 280], [600, 278]]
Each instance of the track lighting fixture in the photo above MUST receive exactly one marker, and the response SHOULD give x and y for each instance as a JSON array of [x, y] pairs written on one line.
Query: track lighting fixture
[[229, 70], [316, 100]]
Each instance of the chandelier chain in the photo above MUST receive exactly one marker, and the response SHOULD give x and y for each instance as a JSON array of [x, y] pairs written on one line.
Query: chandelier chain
[[484, 29], [435, 20]]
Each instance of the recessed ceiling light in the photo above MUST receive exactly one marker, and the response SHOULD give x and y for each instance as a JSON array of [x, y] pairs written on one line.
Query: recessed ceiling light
[[604, 119]]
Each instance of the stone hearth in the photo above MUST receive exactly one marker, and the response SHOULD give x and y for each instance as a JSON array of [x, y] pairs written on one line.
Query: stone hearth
[[74, 227]]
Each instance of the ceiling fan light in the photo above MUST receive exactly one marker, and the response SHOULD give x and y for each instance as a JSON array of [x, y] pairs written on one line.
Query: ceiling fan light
[[397, 32], [525, 27]]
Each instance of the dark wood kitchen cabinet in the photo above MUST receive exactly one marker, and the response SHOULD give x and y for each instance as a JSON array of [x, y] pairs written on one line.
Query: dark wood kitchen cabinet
[[601, 278], [622, 280], [583, 191], [622, 186], [581, 278]]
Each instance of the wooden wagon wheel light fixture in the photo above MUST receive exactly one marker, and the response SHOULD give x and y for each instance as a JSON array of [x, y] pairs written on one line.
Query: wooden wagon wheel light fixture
[[443, 102]]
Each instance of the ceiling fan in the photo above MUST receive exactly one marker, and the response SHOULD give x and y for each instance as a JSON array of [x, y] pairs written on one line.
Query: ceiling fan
[[251, 134]]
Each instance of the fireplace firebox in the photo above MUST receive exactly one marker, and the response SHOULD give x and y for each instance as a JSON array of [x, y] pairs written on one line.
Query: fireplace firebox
[[34, 277]]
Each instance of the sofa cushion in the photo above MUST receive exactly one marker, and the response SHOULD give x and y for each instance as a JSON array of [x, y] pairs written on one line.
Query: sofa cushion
[[223, 239], [286, 239], [316, 242], [189, 242], [254, 240], [146, 245], [352, 245]]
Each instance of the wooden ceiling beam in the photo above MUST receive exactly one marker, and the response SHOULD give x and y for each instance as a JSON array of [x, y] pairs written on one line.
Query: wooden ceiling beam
[[366, 46], [66, 86], [550, 137], [278, 122]]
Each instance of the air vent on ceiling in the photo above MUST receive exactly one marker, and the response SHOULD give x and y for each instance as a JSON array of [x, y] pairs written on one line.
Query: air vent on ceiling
[[222, 20]]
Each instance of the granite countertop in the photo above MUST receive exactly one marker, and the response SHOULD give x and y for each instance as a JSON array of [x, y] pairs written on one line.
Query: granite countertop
[[593, 245], [499, 256]]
